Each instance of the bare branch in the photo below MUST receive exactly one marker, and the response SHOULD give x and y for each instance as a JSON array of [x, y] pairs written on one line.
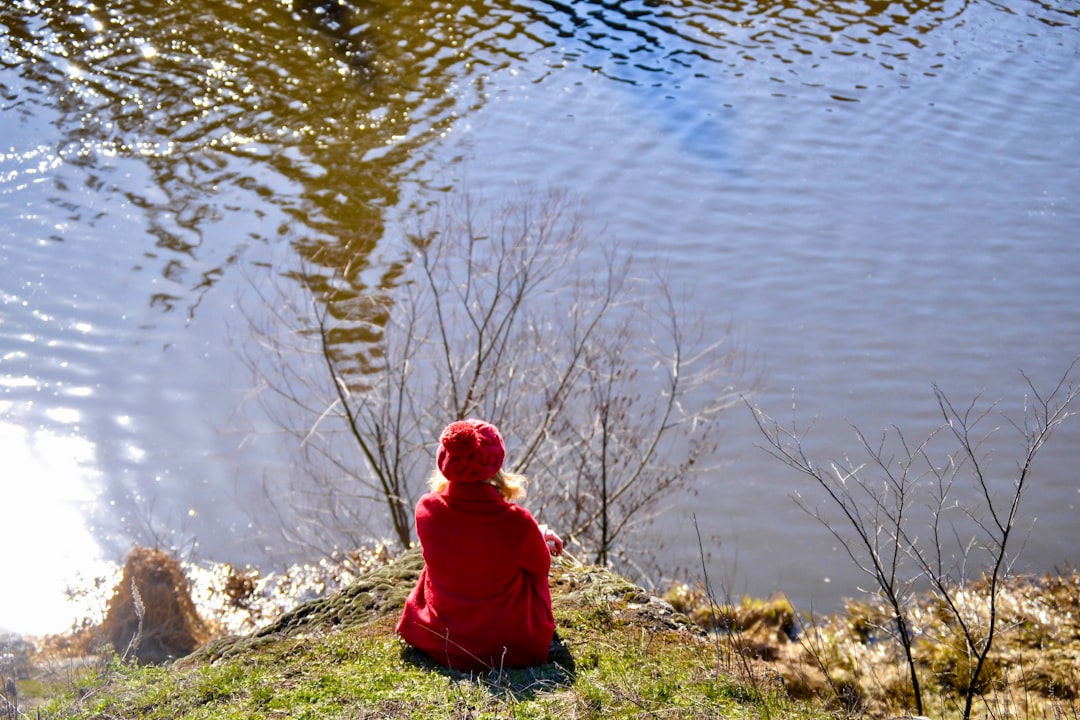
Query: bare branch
[[604, 386], [878, 532]]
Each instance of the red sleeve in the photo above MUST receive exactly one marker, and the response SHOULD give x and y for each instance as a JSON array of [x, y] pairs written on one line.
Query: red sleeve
[[535, 555]]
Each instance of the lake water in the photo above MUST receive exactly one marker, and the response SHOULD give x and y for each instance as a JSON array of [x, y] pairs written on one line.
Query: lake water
[[878, 196]]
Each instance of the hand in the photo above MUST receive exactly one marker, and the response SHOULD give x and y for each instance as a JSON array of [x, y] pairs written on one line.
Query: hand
[[554, 542]]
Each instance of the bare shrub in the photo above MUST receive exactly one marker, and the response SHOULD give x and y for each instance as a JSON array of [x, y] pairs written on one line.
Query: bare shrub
[[936, 512], [604, 385]]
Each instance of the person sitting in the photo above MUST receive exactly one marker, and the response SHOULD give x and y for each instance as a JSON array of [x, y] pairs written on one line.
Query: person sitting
[[482, 601]]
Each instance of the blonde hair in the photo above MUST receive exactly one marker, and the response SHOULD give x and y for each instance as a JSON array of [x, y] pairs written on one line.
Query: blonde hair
[[510, 485]]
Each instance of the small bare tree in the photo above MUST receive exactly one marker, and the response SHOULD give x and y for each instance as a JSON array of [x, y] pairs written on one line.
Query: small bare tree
[[968, 518], [606, 393]]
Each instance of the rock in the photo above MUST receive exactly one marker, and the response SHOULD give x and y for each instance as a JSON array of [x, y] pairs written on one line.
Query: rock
[[379, 593]]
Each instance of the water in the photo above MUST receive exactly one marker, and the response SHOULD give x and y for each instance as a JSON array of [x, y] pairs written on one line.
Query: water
[[878, 196]]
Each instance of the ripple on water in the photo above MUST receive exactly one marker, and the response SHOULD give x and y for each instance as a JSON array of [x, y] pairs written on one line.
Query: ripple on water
[[879, 195]]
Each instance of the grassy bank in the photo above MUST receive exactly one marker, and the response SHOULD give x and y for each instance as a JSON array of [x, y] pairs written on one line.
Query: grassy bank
[[623, 654]]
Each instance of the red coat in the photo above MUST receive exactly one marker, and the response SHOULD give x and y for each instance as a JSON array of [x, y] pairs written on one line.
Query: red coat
[[482, 601]]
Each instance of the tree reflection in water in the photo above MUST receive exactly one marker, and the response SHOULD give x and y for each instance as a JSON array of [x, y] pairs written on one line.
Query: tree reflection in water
[[322, 109], [221, 124]]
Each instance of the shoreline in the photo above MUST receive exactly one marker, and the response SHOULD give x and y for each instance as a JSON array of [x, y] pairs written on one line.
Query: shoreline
[[846, 660]]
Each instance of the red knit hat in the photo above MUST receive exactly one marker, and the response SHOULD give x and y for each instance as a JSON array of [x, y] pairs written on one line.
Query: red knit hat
[[470, 451]]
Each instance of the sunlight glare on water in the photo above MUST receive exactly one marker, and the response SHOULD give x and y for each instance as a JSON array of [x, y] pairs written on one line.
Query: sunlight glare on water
[[47, 544]]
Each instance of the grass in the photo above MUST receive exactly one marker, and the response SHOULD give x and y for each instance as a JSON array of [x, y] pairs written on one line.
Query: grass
[[624, 655], [1032, 671]]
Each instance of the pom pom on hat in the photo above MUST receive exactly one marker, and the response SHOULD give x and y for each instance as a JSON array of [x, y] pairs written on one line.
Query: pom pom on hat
[[470, 451]]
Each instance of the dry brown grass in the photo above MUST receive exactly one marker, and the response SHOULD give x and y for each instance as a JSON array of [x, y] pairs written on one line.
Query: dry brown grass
[[853, 660], [151, 616]]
